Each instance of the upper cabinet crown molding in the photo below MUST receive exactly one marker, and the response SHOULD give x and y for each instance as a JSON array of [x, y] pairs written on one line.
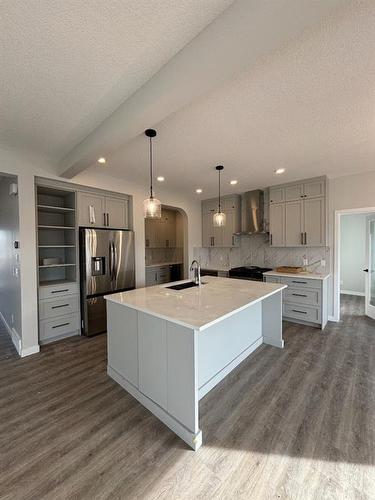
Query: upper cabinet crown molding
[[298, 213]]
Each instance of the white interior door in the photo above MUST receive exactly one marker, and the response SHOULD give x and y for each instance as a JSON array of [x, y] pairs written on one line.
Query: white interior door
[[370, 270]]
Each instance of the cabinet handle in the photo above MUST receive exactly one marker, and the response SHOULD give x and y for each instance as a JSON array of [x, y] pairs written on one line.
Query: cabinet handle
[[305, 235], [299, 295], [301, 238], [58, 307], [62, 324], [213, 241], [271, 239], [300, 282], [233, 241], [300, 312], [104, 222], [107, 219]]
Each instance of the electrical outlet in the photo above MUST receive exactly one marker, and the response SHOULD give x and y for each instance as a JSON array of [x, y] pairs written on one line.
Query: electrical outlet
[[323, 263], [12, 319]]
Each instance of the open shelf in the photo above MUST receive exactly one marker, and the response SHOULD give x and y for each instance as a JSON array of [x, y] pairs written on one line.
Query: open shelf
[[49, 266], [52, 209], [55, 227], [56, 246], [57, 236]]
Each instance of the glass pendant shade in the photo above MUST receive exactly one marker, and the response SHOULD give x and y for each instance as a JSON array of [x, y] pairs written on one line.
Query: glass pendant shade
[[152, 208], [219, 219]]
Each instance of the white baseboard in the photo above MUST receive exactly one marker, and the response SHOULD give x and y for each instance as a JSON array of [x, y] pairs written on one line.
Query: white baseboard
[[30, 350], [349, 292], [16, 339], [332, 318]]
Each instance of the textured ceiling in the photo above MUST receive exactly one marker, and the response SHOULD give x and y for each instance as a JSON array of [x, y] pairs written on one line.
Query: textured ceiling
[[67, 65], [309, 108]]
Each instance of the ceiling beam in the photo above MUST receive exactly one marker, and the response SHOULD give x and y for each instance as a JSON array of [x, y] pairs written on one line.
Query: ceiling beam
[[246, 32]]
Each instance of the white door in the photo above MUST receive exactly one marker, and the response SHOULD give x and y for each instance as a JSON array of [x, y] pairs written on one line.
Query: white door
[[370, 270]]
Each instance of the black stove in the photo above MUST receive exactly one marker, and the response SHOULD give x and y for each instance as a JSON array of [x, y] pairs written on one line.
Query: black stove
[[253, 273]]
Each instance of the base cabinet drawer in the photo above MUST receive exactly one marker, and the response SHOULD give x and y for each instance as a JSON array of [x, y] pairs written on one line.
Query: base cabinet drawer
[[302, 312], [52, 329], [52, 308], [302, 296], [302, 283], [55, 291]]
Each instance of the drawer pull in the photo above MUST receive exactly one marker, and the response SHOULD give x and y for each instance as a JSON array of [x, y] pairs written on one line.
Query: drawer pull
[[300, 312], [60, 291], [62, 324], [57, 307], [300, 282], [299, 295]]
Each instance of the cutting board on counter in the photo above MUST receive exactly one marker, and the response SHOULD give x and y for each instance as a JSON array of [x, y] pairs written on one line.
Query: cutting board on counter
[[289, 269]]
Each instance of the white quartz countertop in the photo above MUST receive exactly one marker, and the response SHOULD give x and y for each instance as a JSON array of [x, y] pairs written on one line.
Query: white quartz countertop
[[197, 307], [160, 264], [217, 268], [313, 276]]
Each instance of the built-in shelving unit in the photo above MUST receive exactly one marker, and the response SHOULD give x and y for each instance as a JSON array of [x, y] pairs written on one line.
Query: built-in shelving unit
[[56, 234]]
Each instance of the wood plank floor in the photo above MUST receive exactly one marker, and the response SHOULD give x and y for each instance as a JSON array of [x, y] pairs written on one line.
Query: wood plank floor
[[297, 423]]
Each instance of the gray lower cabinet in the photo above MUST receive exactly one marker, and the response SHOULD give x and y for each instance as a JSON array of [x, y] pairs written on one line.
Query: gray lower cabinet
[[157, 275], [305, 299], [59, 315]]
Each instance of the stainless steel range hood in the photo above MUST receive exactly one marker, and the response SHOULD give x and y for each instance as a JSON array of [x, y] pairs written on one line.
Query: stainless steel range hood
[[252, 207]]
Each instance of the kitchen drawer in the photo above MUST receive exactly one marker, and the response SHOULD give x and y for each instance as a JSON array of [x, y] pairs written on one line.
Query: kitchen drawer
[[302, 282], [302, 296], [54, 291], [64, 326], [302, 312], [51, 308]]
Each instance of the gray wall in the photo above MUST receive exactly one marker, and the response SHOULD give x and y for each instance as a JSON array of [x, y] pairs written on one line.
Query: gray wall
[[10, 284], [353, 253]]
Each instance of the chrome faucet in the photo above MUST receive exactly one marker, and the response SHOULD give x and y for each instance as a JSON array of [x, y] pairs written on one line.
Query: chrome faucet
[[196, 267]]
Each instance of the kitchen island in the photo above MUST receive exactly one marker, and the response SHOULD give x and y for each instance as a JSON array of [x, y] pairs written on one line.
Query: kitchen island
[[169, 348]]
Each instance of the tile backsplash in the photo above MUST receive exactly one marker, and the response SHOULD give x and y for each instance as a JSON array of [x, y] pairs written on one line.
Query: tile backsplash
[[255, 250]]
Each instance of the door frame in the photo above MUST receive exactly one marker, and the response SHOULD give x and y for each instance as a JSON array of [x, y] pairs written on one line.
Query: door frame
[[337, 256], [369, 308]]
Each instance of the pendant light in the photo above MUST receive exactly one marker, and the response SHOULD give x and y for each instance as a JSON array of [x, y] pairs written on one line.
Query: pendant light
[[219, 216], [151, 206]]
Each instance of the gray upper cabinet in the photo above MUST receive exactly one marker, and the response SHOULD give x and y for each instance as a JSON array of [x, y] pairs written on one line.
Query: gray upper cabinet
[[117, 212], [277, 224], [221, 236], [277, 195], [300, 219], [294, 226], [95, 210], [161, 233], [91, 210]]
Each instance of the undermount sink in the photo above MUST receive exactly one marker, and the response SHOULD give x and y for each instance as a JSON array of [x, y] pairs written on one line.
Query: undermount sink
[[182, 286]]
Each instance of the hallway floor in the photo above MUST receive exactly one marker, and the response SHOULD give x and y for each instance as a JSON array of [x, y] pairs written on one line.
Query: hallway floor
[[297, 423]]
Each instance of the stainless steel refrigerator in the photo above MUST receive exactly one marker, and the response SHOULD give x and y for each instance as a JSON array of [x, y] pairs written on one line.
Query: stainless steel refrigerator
[[106, 266]]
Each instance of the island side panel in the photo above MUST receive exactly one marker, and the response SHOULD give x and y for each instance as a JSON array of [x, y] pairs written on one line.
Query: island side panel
[[152, 348], [226, 344], [182, 385], [122, 341], [272, 320]]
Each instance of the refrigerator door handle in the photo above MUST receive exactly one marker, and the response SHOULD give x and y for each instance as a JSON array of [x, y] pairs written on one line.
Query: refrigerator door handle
[[111, 260], [115, 262]]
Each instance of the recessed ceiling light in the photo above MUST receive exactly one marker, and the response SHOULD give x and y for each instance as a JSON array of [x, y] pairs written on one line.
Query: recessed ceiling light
[[160, 178], [280, 171], [234, 182], [199, 190], [102, 160]]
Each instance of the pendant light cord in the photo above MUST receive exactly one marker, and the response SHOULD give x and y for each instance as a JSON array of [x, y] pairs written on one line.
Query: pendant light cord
[[219, 193], [151, 173]]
